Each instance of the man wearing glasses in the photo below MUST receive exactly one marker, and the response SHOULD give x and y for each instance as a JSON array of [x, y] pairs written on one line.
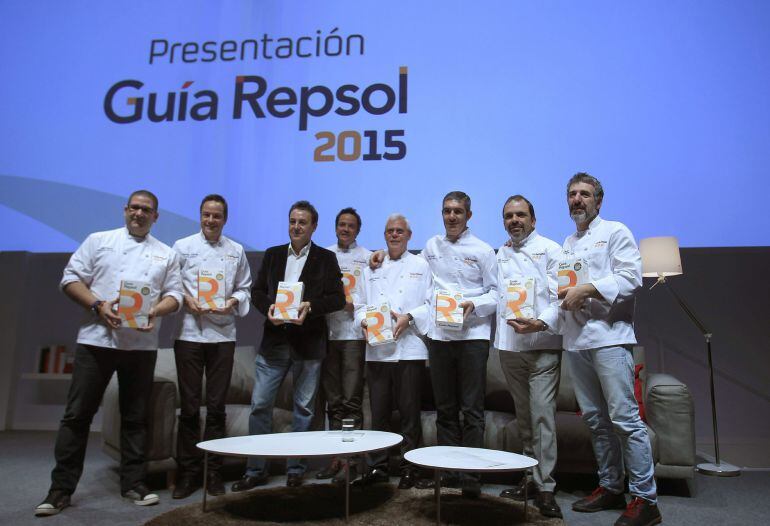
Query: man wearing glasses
[[106, 344]]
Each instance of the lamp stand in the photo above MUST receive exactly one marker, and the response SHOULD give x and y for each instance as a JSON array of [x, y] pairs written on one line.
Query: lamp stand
[[716, 468]]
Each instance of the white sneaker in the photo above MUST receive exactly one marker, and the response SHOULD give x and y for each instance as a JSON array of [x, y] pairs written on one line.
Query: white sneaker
[[141, 495]]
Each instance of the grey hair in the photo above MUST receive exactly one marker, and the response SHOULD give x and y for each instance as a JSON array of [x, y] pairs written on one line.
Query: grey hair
[[396, 216], [583, 177]]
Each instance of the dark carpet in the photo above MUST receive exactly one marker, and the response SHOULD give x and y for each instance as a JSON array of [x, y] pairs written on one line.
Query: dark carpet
[[325, 504]]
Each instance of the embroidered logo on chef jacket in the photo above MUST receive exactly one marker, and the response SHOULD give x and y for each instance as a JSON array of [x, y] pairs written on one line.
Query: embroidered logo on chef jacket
[[600, 244], [415, 275], [537, 256]]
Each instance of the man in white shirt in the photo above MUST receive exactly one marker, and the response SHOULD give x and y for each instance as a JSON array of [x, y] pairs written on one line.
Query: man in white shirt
[[461, 262], [596, 322], [92, 279], [527, 282], [206, 340], [298, 345], [342, 373], [403, 281]]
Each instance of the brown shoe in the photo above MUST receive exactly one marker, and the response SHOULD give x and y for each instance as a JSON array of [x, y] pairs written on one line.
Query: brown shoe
[[600, 499], [640, 512]]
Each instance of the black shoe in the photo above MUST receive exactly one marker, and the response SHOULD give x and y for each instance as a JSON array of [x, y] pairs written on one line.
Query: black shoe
[[407, 480], [425, 483], [517, 493], [546, 504], [471, 488], [640, 512], [294, 480], [331, 470], [247, 482], [141, 495], [185, 487], [375, 476], [600, 499], [214, 485], [54, 502], [339, 478], [448, 480]]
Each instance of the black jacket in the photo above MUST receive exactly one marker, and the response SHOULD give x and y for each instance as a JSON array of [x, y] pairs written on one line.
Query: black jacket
[[323, 289]]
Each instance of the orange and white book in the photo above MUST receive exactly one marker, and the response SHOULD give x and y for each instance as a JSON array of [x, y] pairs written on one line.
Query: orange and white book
[[211, 289], [135, 302], [287, 300], [351, 281], [572, 272], [379, 324], [519, 298], [449, 313]]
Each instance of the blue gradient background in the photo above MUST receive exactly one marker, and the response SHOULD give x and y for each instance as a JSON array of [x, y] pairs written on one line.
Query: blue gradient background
[[666, 102]]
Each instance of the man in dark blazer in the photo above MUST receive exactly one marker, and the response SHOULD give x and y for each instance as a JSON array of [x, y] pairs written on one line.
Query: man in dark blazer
[[299, 344]]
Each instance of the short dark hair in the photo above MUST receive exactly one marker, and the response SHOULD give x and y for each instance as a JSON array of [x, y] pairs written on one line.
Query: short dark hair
[[217, 198], [518, 197], [457, 195], [305, 205], [583, 177], [144, 193], [349, 210]]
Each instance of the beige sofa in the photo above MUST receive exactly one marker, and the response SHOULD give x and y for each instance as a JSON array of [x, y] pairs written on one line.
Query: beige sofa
[[669, 406]]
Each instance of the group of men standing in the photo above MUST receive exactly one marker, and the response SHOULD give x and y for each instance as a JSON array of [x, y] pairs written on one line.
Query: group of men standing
[[326, 345]]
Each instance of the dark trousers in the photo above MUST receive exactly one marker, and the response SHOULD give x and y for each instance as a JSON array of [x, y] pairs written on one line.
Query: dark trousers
[[401, 381], [342, 379], [92, 371], [458, 372], [192, 359]]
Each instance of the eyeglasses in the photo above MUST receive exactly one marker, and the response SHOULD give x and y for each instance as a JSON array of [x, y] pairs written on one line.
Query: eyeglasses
[[145, 209]]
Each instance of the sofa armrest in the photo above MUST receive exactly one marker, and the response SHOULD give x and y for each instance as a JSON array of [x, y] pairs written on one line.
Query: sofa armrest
[[161, 420], [671, 414]]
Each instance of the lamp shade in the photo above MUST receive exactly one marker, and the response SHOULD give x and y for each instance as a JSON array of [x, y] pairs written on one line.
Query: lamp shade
[[660, 257]]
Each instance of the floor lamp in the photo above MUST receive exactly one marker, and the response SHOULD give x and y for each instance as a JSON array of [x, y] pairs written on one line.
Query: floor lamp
[[660, 259]]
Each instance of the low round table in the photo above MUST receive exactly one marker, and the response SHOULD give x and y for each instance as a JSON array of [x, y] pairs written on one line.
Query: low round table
[[455, 458], [304, 444]]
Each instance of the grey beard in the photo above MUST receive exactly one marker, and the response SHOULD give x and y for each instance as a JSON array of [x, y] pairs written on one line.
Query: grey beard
[[578, 216]]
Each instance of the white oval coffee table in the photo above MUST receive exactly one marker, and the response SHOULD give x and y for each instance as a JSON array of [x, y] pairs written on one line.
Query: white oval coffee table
[[455, 458], [300, 444]]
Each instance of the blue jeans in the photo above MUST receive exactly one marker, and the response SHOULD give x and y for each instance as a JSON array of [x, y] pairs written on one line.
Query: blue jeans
[[272, 364], [604, 388]]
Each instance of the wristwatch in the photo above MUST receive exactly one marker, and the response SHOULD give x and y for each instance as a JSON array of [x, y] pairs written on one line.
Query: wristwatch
[[545, 326], [95, 306], [410, 318]]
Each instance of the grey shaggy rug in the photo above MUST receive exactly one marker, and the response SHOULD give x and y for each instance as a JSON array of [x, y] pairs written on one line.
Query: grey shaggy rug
[[325, 504]]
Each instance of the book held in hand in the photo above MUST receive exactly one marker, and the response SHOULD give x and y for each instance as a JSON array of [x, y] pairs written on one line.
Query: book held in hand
[[519, 298], [287, 299], [572, 272], [211, 289], [134, 305], [379, 324], [449, 313], [351, 281]]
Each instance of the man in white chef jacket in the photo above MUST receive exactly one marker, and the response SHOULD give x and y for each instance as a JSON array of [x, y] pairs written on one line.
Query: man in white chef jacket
[[596, 318], [405, 282], [460, 262], [205, 340], [92, 279], [342, 373], [527, 282]]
